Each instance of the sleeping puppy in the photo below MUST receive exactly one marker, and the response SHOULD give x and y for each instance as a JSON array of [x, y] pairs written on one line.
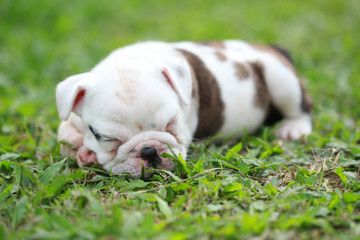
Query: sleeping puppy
[[147, 97]]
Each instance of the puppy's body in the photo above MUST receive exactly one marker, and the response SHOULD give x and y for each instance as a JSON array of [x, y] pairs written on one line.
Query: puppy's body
[[150, 95]]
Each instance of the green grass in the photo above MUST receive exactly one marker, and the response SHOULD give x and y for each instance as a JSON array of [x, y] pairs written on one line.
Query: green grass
[[257, 187]]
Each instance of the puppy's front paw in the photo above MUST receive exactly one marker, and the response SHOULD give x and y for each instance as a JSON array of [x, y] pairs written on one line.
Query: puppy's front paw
[[71, 137], [294, 128], [86, 157]]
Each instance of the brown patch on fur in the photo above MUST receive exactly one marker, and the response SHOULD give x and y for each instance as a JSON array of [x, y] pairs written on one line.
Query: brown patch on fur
[[140, 127], [217, 45], [211, 109], [241, 71], [220, 55], [128, 82], [273, 51], [306, 101], [262, 98]]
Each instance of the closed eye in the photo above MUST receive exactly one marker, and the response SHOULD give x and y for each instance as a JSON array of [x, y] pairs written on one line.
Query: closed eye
[[102, 138], [95, 133]]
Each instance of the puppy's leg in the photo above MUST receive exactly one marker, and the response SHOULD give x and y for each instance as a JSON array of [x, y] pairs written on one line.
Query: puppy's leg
[[288, 96], [71, 132]]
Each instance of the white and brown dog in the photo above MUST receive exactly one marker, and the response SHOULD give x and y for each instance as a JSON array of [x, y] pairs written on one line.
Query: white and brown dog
[[142, 98]]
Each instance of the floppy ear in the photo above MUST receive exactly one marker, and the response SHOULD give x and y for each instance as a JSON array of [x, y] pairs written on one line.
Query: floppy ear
[[179, 79], [70, 95]]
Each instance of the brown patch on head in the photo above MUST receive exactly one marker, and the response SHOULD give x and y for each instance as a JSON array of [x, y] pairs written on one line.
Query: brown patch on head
[[140, 127], [128, 83], [241, 71], [211, 109], [284, 57], [262, 98]]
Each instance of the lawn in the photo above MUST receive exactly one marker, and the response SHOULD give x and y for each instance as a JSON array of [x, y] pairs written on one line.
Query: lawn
[[257, 187]]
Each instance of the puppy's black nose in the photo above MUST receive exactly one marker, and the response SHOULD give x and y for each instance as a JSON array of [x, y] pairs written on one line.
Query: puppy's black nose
[[148, 152], [151, 154]]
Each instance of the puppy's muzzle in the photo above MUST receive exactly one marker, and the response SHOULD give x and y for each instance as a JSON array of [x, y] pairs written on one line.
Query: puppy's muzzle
[[151, 154]]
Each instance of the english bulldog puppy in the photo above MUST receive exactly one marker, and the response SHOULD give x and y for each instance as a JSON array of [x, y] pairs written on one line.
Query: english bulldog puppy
[[147, 97]]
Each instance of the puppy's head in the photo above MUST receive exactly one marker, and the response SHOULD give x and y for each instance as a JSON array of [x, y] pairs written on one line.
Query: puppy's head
[[132, 113]]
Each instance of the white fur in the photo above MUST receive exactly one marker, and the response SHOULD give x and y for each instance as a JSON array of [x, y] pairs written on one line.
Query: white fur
[[128, 89]]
